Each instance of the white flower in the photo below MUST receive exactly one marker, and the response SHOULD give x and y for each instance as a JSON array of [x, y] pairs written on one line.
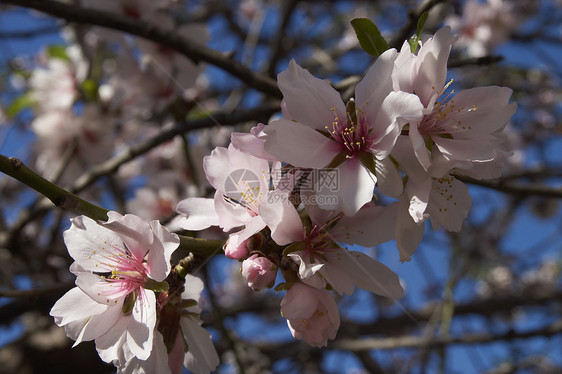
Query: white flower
[[118, 265]]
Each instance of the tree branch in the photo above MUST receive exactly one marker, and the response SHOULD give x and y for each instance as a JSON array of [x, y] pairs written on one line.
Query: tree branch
[[367, 344], [194, 51], [514, 188]]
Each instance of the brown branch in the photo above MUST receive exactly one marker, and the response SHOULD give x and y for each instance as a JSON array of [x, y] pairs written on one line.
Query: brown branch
[[57, 288], [194, 51], [366, 344], [485, 60], [277, 44], [519, 189], [218, 118]]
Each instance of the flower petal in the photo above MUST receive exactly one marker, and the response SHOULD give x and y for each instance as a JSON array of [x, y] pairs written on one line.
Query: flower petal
[[299, 145], [89, 244], [309, 100], [201, 357], [200, 213], [367, 274], [376, 85]]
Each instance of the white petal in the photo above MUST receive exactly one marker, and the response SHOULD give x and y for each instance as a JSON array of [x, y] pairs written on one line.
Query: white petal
[[432, 64], [408, 233], [283, 220], [201, 357], [200, 213], [449, 204], [158, 259], [377, 84], [90, 243], [397, 109], [140, 331], [75, 305], [389, 180], [356, 186], [367, 274], [309, 100], [133, 230], [99, 289], [371, 226], [100, 324], [230, 215]]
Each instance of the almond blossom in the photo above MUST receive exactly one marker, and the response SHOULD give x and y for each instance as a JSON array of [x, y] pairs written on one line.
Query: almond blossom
[[463, 127], [321, 261], [55, 85], [484, 25], [318, 131], [433, 194], [119, 264], [190, 344], [312, 314], [242, 193]]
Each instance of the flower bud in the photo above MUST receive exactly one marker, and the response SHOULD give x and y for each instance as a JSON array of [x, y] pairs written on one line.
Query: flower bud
[[259, 272], [236, 251]]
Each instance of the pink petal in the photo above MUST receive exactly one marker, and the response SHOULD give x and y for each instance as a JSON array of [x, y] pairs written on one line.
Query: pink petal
[[376, 85], [309, 100], [299, 145]]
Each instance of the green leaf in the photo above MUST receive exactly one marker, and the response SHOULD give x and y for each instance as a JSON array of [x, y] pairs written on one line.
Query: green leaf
[[416, 37], [57, 51], [151, 284], [369, 36], [20, 103], [90, 89]]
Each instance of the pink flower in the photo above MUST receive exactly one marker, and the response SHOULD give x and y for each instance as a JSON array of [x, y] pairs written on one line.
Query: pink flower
[[484, 25], [322, 261], [118, 265], [242, 198], [311, 313], [259, 272], [465, 127], [318, 131]]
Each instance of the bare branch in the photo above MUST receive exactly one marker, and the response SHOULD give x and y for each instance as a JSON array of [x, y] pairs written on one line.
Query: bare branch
[[194, 51]]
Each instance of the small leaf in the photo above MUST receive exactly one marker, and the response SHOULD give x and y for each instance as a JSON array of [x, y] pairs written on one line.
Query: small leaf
[[151, 284], [369, 36], [20, 103], [90, 89], [283, 286], [416, 37], [57, 51], [129, 302]]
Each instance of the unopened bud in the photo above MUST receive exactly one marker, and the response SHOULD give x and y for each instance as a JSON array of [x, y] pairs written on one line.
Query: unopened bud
[[259, 272]]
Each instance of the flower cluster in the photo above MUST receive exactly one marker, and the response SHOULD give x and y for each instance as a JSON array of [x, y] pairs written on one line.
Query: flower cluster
[[293, 192], [140, 312]]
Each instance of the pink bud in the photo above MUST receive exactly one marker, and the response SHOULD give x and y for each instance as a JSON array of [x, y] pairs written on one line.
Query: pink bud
[[259, 272], [236, 251]]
